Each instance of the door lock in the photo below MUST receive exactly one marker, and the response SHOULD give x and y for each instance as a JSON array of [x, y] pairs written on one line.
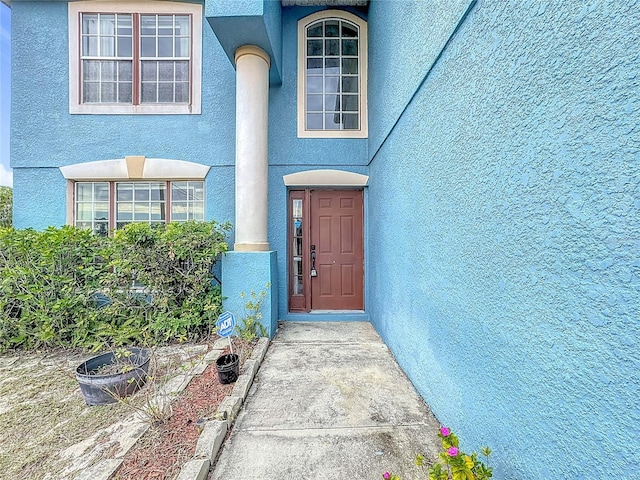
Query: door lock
[[314, 272]]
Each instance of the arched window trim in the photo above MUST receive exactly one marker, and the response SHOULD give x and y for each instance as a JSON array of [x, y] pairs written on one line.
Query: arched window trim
[[303, 24]]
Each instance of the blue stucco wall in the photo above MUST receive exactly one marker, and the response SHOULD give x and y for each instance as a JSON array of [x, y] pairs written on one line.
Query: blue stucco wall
[[505, 220]]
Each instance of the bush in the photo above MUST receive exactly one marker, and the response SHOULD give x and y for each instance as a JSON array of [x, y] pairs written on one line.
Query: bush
[[6, 206], [67, 287]]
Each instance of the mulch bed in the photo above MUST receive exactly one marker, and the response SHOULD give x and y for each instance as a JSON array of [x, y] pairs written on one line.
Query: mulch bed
[[165, 448]]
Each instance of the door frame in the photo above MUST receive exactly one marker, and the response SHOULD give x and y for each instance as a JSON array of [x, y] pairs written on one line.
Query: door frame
[[301, 303]]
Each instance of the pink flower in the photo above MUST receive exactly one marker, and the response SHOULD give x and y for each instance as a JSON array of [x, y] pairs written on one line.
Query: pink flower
[[453, 451], [445, 431], [386, 475]]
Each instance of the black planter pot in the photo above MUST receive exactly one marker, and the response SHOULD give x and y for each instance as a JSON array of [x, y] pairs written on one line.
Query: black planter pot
[[228, 367], [102, 389]]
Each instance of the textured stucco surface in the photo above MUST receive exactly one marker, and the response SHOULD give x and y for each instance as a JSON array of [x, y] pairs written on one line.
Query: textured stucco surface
[[421, 30], [505, 231], [49, 136], [246, 272]]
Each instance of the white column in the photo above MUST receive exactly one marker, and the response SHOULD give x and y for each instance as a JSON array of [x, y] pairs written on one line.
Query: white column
[[252, 109]]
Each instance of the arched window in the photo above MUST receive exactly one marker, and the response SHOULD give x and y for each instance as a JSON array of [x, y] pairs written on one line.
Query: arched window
[[332, 74]]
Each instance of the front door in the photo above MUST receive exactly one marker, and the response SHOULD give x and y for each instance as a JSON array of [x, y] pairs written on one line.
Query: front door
[[326, 250]]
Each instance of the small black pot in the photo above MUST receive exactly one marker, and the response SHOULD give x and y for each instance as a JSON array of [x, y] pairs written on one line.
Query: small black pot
[[228, 367], [105, 389]]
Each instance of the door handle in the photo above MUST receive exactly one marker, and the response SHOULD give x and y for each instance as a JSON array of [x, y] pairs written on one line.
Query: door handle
[[314, 272]]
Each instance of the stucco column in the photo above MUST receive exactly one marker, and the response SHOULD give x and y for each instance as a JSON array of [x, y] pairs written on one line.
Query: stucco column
[[252, 109]]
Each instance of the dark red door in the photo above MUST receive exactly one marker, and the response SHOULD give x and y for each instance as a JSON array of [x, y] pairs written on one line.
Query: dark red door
[[326, 250]]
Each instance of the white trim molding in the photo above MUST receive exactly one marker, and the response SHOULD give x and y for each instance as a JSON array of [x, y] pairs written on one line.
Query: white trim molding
[[157, 7], [305, 22], [325, 178], [136, 167]]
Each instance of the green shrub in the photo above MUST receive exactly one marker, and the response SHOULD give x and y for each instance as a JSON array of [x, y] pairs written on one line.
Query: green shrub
[[6, 206], [67, 287]]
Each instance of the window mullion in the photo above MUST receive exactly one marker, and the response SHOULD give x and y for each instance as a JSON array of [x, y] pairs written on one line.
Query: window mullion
[[136, 59]]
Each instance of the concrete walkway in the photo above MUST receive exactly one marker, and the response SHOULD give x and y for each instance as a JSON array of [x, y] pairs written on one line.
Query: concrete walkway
[[329, 401]]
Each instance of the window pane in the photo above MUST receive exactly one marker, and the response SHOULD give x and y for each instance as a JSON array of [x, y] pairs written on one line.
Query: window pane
[[332, 66], [314, 48], [349, 47], [183, 25], [125, 24], [102, 192], [91, 70], [350, 103], [148, 46], [350, 84], [157, 211], [148, 25], [349, 30], [124, 71], [107, 46], [101, 211], [108, 71], [314, 84], [141, 193], [331, 47], [165, 24], [198, 212], [314, 121], [108, 92], [197, 191], [331, 28], [165, 46], [165, 92], [182, 71], [332, 121], [178, 191], [125, 92], [314, 31], [90, 46], [84, 213], [182, 92], [297, 208], [149, 71], [165, 71], [84, 192], [314, 103], [332, 103], [90, 92], [349, 65], [298, 246], [140, 212], [182, 47], [331, 84], [157, 191], [125, 47], [179, 212], [90, 23], [351, 121], [124, 192], [314, 65], [149, 93], [107, 24]]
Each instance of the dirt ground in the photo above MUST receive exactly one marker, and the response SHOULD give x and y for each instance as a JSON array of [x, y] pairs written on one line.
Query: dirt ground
[[45, 423]]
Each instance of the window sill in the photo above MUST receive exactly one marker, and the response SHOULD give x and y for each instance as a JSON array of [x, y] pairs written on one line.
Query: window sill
[[332, 134], [103, 109]]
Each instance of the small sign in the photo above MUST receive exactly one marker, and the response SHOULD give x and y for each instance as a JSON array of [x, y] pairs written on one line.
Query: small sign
[[297, 223], [225, 324]]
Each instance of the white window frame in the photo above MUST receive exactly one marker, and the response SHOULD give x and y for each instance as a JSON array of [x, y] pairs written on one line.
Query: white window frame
[[303, 24], [148, 7]]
